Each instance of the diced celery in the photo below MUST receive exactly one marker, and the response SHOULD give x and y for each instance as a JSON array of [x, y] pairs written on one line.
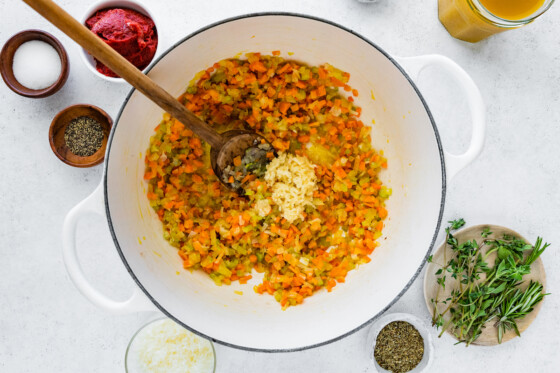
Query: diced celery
[[320, 155], [218, 77], [340, 186], [223, 270], [385, 192], [194, 258]]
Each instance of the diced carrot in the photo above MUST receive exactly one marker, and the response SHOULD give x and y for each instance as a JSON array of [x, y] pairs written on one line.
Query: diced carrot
[[258, 66], [283, 107], [250, 78], [382, 212], [270, 92], [244, 279], [215, 227]]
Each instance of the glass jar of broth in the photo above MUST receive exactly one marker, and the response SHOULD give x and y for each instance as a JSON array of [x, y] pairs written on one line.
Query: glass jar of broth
[[475, 20]]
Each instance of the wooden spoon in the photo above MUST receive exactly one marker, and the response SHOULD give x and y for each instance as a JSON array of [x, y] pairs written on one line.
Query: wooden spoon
[[224, 147]]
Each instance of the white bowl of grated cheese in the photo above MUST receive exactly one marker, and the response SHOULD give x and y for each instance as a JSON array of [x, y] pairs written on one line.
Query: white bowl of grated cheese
[[164, 346]]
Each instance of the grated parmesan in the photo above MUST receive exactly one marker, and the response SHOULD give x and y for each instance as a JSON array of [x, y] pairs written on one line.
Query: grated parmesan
[[164, 346], [293, 181]]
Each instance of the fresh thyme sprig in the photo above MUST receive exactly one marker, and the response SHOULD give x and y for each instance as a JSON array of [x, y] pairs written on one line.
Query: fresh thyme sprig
[[476, 301]]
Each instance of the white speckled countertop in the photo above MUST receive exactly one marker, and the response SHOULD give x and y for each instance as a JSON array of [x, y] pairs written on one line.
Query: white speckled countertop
[[47, 326]]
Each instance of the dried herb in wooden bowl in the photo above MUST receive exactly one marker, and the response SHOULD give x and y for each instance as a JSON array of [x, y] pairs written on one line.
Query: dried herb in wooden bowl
[[84, 136]]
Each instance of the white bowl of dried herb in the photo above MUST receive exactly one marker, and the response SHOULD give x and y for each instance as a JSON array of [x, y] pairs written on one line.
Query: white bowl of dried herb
[[399, 343]]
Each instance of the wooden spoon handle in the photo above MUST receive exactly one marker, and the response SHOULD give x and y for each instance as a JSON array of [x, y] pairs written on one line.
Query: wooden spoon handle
[[113, 60]]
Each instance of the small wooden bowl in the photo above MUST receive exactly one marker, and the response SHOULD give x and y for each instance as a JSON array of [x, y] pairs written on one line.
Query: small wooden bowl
[[489, 335], [58, 127], [7, 59]]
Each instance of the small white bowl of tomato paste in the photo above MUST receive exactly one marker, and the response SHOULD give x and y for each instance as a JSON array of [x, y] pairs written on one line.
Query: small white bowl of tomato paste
[[129, 28]]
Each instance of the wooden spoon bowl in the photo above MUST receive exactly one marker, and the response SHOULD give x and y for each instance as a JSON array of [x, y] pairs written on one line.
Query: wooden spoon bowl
[[58, 127], [7, 59], [489, 335]]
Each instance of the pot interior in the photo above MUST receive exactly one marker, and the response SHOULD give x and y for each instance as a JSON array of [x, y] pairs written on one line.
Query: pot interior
[[403, 130]]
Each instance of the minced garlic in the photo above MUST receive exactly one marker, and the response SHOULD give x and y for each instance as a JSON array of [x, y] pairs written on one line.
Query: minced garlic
[[262, 207], [292, 181]]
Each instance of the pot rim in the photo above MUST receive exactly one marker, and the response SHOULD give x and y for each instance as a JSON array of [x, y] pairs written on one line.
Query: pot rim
[[438, 141]]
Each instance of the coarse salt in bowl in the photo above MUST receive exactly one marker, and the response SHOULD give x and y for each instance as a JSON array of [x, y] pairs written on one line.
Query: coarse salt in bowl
[[164, 346], [125, 4], [32, 74], [20, 68]]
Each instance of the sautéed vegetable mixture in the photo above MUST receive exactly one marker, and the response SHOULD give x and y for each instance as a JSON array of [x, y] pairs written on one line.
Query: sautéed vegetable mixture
[[302, 111]]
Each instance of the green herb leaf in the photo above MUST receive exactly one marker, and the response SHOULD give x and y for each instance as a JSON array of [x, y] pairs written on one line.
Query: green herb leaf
[[503, 252], [485, 232], [456, 224], [496, 296]]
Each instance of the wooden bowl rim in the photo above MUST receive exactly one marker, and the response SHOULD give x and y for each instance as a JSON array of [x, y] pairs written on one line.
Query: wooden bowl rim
[[99, 159], [7, 56], [478, 228]]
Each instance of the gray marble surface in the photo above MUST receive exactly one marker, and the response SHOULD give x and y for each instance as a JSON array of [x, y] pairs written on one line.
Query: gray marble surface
[[47, 326]]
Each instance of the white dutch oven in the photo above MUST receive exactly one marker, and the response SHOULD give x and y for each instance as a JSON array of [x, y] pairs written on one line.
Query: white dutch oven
[[418, 171]]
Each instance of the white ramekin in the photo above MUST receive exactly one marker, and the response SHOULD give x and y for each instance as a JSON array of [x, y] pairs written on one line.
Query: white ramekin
[[424, 330], [129, 4], [130, 362]]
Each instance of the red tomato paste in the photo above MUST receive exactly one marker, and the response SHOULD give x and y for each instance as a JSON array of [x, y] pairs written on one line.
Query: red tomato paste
[[128, 32]]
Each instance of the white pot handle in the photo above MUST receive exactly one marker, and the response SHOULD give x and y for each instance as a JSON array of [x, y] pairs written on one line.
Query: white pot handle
[[93, 204], [455, 163]]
